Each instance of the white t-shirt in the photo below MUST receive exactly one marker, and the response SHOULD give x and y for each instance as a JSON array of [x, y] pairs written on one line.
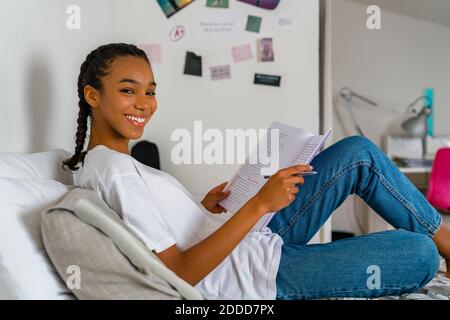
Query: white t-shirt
[[163, 213]]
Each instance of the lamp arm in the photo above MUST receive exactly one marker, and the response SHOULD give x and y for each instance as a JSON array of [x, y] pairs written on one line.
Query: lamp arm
[[365, 99], [353, 118]]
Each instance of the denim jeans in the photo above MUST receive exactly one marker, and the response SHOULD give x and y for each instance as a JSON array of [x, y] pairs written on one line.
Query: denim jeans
[[383, 263]]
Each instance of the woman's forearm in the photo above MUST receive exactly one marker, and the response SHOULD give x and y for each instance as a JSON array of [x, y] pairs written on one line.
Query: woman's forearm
[[199, 260]]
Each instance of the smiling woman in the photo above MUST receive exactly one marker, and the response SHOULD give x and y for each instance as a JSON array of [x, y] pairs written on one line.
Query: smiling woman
[[116, 88]]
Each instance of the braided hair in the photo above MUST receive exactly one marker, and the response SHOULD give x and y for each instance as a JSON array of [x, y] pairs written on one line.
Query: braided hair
[[92, 70]]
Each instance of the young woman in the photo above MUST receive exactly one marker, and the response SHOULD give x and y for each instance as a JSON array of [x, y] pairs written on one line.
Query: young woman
[[222, 257]]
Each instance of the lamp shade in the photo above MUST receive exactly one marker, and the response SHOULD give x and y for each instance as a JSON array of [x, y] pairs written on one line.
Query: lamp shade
[[416, 126]]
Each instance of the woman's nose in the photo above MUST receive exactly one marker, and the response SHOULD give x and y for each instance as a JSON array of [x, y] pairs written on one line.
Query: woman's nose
[[138, 106], [141, 103]]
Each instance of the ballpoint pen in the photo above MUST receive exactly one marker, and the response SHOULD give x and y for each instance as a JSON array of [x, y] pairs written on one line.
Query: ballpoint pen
[[301, 174]]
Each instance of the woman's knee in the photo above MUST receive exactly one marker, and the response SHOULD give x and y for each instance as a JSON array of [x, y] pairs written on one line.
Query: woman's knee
[[357, 147], [426, 255], [358, 142], [415, 254], [419, 253]]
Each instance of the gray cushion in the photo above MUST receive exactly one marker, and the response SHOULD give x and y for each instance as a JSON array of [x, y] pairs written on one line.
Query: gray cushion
[[113, 263]]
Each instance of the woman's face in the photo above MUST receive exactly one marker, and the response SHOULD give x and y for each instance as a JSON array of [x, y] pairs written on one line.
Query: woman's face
[[128, 97]]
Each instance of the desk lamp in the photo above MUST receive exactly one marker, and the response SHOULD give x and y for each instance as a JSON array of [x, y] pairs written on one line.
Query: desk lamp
[[417, 126]]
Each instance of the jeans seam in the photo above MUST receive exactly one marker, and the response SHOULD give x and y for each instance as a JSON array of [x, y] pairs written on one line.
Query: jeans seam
[[430, 228]]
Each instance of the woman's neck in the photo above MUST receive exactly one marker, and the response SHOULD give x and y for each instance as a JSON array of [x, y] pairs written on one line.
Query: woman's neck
[[119, 147]]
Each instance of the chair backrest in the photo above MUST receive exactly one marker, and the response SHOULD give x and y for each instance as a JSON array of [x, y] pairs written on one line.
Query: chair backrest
[[439, 184], [146, 152]]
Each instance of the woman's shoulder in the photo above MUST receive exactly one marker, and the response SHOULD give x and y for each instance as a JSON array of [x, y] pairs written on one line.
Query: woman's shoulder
[[107, 163]]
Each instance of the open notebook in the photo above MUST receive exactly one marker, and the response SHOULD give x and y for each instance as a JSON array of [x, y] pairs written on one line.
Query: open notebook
[[295, 146]]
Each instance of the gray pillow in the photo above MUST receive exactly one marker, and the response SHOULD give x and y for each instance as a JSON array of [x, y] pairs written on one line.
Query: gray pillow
[[99, 257]]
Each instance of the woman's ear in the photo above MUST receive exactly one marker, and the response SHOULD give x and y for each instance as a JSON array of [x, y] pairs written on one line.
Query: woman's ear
[[92, 96]]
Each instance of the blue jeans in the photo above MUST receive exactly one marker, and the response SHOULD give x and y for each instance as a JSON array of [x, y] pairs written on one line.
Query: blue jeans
[[384, 263]]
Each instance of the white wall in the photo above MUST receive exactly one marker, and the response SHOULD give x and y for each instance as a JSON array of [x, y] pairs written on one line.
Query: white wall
[[391, 66], [39, 65], [232, 104]]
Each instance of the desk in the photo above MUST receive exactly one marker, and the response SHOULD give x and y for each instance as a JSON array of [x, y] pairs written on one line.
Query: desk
[[415, 170]]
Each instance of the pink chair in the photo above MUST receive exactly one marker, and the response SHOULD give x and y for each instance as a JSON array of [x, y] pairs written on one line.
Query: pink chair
[[439, 185]]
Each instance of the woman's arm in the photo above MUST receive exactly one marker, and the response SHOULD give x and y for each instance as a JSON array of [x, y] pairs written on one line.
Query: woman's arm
[[195, 263]]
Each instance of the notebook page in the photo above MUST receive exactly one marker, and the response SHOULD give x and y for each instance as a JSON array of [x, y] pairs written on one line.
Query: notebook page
[[312, 148], [306, 156], [248, 179]]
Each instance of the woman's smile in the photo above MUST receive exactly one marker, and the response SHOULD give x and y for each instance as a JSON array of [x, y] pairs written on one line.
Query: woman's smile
[[137, 121]]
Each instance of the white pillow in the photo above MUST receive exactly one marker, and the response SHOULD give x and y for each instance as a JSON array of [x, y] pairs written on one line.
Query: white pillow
[[39, 165], [25, 270]]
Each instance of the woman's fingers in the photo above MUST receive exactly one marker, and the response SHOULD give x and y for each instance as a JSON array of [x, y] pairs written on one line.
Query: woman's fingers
[[220, 187], [294, 190], [294, 180], [223, 195], [298, 169]]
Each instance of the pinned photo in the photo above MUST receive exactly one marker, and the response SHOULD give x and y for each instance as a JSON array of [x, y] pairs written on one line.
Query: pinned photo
[[170, 7], [220, 72], [253, 24], [193, 64], [265, 4], [218, 3], [242, 53], [265, 50]]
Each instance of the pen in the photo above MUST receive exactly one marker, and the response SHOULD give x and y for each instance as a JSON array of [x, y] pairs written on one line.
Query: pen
[[302, 174]]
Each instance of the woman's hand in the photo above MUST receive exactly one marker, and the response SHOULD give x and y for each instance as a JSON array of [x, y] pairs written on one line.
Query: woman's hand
[[213, 197], [280, 190]]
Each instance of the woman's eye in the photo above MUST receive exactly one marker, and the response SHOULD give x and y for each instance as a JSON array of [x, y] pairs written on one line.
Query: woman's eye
[[129, 91], [151, 93]]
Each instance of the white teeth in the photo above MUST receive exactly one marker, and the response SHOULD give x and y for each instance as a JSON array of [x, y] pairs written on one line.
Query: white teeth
[[139, 120]]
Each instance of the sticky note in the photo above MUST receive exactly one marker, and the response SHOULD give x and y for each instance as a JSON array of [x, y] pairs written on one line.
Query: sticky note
[[242, 53], [153, 52], [268, 80], [220, 72], [285, 22]]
